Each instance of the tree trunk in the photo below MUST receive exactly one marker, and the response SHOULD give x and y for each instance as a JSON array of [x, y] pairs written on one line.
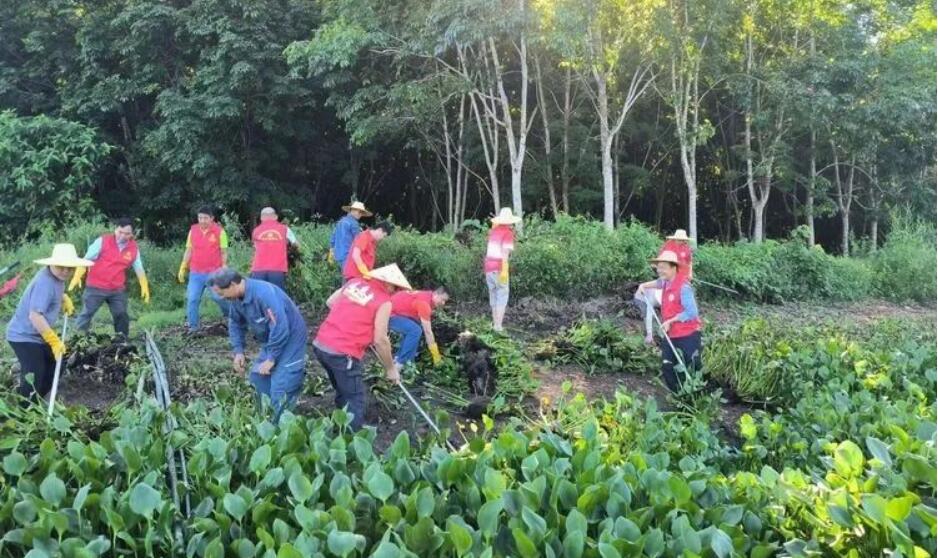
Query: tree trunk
[[874, 233], [565, 142], [545, 122], [809, 197], [605, 143]]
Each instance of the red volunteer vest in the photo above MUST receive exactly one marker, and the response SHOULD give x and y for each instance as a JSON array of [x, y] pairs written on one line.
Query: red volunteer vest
[[270, 247], [350, 326], [206, 248], [367, 244], [498, 237], [671, 306], [685, 255], [109, 270], [402, 303]]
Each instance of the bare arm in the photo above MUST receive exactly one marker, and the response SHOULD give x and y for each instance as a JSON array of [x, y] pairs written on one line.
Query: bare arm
[[333, 298], [381, 341], [187, 255], [39, 322], [428, 332], [357, 258], [224, 257]]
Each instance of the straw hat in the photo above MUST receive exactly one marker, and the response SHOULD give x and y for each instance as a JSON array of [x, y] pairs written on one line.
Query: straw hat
[[680, 234], [64, 255], [359, 206], [505, 217], [666, 256], [391, 274]]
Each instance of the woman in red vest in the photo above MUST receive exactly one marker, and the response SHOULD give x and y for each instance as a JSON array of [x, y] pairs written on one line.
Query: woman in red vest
[[680, 318], [271, 238], [358, 318], [112, 254], [680, 244], [206, 252]]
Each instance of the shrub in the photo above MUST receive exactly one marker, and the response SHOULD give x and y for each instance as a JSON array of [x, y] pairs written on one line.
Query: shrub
[[904, 268]]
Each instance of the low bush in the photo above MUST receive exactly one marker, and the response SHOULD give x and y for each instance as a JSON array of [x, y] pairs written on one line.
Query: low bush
[[904, 267]]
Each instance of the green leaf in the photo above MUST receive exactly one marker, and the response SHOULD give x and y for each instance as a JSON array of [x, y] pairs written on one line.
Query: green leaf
[[573, 544], [379, 483], [287, 550], [606, 550], [214, 549], [848, 460], [14, 464], [875, 506], [721, 543], [144, 499], [536, 525], [387, 550], [300, 486], [235, 505], [80, 497], [840, 515], [426, 503], [52, 489], [879, 450], [680, 490], [488, 516], [576, 522], [24, 512], [524, 544], [898, 509], [459, 536], [260, 460], [344, 543]]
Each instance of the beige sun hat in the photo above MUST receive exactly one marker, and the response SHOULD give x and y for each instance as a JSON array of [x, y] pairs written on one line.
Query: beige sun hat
[[64, 255], [680, 234], [505, 217], [391, 274], [358, 206], [667, 256]]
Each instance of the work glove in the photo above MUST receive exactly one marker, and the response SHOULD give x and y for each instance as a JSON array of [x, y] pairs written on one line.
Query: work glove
[[181, 276], [77, 278], [366, 273], [9, 286], [144, 289], [503, 274], [330, 257], [56, 344], [435, 354], [68, 307]]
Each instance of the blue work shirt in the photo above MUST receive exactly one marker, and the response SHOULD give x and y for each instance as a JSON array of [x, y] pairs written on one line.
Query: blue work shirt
[[345, 232], [688, 302], [43, 295], [274, 321]]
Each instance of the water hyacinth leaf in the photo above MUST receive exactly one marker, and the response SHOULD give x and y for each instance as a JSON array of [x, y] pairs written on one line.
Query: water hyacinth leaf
[[287, 550], [244, 548], [14, 464], [459, 536], [52, 489], [300, 487], [523, 543], [260, 459], [898, 509], [488, 516], [235, 505], [573, 544], [848, 459], [79, 502], [214, 549], [840, 515], [144, 499], [875, 506], [426, 502], [343, 543], [387, 550], [879, 450], [576, 522], [680, 490], [379, 483], [721, 543], [24, 512], [536, 525]]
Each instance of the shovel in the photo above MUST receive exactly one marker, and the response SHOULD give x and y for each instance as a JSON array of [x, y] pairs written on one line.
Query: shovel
[[58, 370], [424, 414]]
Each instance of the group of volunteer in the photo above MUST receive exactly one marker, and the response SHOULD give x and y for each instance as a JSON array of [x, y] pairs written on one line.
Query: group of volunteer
[[370, 303]]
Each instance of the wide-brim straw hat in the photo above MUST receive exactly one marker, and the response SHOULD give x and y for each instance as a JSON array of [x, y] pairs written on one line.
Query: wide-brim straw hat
[[392, 275], [358, 206], [64, 255], [667, 256], [680, 234], [505, 217]]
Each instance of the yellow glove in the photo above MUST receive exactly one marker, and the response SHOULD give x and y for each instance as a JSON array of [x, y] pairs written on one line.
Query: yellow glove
[[56, 344], [330, 257], [144, 289], [181, 276], [68, 307], [366, 273], [435, 354], [76, 279], [503, 274]]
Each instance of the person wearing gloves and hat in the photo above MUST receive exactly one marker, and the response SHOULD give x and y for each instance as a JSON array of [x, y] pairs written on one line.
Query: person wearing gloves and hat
[[112, 255], [362, 255], [358, 317], [411, 315], [680, 318], [274, 320], [679, 244], [345, 232], [30, 332], [501, 242], [206, 253], [271, 240]]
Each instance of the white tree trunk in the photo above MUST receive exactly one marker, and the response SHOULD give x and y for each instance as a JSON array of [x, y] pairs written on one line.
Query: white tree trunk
[[545, 122]]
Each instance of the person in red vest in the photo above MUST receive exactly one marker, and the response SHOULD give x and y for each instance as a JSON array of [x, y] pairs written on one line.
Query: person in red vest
[[206, 252], [112, 255], [679, 244], [358, 318], [411, 313], [361, 258], [680, 318], [271, 239], [498, 249]]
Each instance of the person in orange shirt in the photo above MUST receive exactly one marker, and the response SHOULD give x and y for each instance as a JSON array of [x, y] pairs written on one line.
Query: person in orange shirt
[[361, 259], [411, 314], [271, 240], [206, 253]]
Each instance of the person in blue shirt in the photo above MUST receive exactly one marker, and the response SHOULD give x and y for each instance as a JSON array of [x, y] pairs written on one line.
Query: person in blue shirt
[[274, 320], [345, 232]]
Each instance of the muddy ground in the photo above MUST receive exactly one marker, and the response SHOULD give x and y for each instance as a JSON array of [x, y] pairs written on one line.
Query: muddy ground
[[200, 364]]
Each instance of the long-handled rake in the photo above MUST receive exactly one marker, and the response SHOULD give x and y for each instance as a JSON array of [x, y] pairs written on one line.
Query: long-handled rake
[[58, 370]]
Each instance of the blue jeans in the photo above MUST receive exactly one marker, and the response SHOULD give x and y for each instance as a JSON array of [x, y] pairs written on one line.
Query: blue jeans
[[345, 375], [194, 298], [278, 278], [410, 332], [281, 387]]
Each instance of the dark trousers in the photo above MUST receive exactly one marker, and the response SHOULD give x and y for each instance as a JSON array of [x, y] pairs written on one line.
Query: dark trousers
[[117, 303], [689, 346], [345, 374], [35, 359], [278, 278]]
